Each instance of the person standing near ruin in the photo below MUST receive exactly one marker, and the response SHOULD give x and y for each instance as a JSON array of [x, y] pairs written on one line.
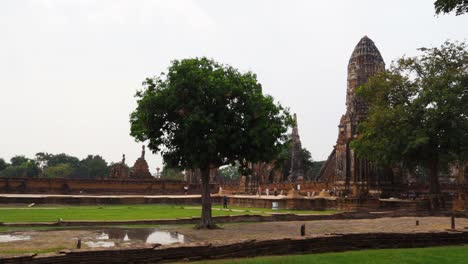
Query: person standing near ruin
[[185, 189], [225, 201], [267, 191]]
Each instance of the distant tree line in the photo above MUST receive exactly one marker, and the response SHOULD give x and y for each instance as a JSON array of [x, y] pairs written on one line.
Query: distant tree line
[[55, 166]]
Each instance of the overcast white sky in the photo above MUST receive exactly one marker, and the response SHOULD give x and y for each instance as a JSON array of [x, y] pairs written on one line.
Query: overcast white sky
[[69, 69]]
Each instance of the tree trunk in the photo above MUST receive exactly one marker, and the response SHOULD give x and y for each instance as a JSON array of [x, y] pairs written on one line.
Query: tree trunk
[[206, 220], [435, 199], [433, 167]]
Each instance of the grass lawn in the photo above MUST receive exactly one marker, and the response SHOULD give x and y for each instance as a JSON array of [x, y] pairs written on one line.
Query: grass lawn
[[121, 212], [434, 255]]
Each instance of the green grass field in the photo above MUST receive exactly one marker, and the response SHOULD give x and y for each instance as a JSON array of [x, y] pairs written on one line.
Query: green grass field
[[122, 212], [434, 255]]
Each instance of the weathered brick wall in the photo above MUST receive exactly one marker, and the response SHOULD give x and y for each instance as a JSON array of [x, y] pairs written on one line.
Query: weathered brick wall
[[74, 186], [252, 248], [344, 204], [285, 187]]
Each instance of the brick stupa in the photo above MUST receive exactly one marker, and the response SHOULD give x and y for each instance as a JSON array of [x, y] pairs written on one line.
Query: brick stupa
[[140, 169]]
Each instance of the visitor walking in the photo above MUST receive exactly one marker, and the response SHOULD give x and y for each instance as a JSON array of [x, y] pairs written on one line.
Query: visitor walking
[[267, 191], [185, 189], [225, 201]]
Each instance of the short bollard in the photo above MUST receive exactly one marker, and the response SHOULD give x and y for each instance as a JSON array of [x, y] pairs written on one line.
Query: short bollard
[[303, 230], [78, 244], [417, 222], [453, 221]]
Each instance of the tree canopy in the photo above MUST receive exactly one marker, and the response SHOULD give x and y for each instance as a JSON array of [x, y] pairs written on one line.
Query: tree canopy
[[3, 164], [447, 6], [20, 166], [418, 111], [55, 166], [203, 114]]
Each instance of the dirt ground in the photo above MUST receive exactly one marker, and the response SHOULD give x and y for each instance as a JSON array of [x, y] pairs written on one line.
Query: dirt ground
[[55, 240], [277, 230]]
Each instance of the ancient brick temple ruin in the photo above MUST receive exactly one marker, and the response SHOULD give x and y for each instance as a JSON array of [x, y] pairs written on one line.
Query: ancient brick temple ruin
[[119, 170], [343, 169], [264, 173], [296, 173], [140, 169]]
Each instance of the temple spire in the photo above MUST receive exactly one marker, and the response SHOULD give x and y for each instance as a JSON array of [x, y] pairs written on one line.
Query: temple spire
[[296, 172]]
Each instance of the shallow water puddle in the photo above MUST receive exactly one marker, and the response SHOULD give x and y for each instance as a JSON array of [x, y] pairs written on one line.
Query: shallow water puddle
[[114, 236], [105, 244], [12, 238]]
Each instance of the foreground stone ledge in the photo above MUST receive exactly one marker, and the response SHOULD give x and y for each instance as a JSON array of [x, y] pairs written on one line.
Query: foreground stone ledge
[[247, 248]]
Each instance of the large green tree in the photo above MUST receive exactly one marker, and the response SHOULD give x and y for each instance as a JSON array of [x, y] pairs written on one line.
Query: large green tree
[[203, 114], [418, 111], [447, 6]]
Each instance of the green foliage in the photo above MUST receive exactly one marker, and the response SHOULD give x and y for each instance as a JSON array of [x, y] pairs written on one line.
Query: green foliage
[[171, 174], [92, 167], [3, 164], [18, 160], [21, 167], [202, 113], [58, 171], [314, 170], [418, 110], [62, 158], [447, 6]]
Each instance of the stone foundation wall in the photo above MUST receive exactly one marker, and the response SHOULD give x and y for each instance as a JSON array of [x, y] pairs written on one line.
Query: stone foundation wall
[[252, 248], [73, 186], [343, 204], [235, 188]]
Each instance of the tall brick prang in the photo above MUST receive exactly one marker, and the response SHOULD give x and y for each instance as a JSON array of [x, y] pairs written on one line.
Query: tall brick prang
[[296, 173], [343, 169]]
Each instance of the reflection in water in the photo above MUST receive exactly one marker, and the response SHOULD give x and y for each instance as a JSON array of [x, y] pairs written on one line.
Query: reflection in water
[[102, 236], [100, 244], [164, 237], [11, 238], [135, 235]]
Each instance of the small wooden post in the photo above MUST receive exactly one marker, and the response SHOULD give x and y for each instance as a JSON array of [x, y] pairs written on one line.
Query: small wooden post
[[78, 244], [417, 222], [303, 230], [453, 221]]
